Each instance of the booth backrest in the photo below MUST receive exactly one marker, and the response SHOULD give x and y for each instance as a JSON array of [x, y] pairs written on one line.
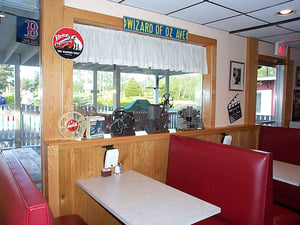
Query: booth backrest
[[235, 179], [21, 202], [282, 142]]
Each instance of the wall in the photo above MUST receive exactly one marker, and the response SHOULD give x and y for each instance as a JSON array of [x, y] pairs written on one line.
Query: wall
[[229, 47]]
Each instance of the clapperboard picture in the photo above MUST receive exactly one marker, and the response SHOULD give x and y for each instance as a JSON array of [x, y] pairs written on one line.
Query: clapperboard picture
[[234, 109]]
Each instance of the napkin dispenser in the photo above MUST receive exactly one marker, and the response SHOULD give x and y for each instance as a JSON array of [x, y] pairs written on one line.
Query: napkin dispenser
[[111, 158]]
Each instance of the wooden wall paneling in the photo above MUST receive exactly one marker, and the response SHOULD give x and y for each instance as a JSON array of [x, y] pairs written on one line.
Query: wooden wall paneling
[[65, 181], [77, 163], [209, 88], [52, 179], [251, 80], [210, 137], [67, 91], [91, 211], [248, 139], [151, 157], [85, 162], [52, 71], [72, 160], [92, 18], [288, 93]]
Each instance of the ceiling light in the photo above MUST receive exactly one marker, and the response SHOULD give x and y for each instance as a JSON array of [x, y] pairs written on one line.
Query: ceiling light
[[2, 15], [285, 12]]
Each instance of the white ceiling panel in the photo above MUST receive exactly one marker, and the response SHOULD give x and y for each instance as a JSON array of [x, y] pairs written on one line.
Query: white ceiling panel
[[269, 14], [270, 31], [161, 6], [236, 23], [204, 13], [292, 37], [292, 25], [295, 44], [248, 6]]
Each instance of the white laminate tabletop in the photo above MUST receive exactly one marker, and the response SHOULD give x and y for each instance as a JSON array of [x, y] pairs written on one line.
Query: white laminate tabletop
[[286, 172], [136, 199]]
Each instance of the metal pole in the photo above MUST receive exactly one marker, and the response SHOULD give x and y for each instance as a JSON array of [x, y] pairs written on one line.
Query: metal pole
[[17, 112], [156, 87], [116, 87], [94, 91]]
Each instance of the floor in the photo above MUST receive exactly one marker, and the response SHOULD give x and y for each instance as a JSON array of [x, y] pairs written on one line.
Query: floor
[[30, 157]]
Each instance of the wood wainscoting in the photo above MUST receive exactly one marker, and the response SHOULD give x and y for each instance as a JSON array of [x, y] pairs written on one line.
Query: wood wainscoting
[[66, 161]]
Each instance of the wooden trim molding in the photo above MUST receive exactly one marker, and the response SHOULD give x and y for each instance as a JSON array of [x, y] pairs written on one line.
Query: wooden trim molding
[[270, 60], [287, 97], [287, 92], [251, 77], [51, 69]]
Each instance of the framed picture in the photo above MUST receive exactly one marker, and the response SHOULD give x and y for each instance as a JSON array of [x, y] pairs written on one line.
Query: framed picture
[[236, 76], [296, 106], [297, 83]]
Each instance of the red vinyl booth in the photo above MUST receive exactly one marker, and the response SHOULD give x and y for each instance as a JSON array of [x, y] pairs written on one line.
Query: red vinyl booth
[[284, 143], [21, 202], [237, 180]]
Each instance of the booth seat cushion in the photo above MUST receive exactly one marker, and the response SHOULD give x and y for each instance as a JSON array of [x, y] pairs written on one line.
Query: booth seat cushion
[[21, 202], [284, 216], [212, 221], [69, 220], [287, 194], [281, 216]]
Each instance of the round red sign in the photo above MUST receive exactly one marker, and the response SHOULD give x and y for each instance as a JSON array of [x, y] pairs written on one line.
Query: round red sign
[[68, 43], [72, 125]]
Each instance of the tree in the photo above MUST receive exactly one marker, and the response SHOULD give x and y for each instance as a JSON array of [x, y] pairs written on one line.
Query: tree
[[6, 76], [133, 88], [266, 71]]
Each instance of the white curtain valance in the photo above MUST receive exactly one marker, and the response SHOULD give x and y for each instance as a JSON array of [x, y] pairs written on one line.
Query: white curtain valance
[[108, 47]]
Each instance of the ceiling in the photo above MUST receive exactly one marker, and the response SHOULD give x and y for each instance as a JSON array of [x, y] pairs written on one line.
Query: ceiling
[[12, 52], [247, 18]]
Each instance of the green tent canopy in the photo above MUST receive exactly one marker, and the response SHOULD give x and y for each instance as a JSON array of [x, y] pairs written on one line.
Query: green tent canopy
[[140, 105]]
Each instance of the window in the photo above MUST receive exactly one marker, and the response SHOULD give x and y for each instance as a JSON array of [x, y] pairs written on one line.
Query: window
[[104, 89], [145, 68], [269, 94], [137, 86], [82, 87], [186, 90], [264, 102]]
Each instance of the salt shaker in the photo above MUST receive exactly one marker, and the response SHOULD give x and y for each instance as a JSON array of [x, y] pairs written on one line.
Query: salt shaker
[[121, 168], [117, 170]]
